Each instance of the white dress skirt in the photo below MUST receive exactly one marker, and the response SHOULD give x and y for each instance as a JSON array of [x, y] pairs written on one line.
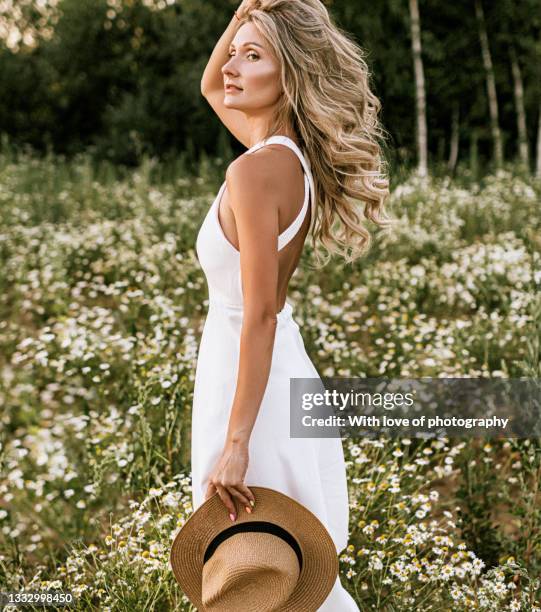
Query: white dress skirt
[[310, 470]]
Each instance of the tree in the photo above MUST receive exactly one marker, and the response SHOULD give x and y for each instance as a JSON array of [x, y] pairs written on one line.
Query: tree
[[490, 84], [420, 93]]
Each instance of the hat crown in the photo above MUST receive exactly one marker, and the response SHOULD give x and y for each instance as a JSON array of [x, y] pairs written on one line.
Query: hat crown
[[275, 514], [249, 568]]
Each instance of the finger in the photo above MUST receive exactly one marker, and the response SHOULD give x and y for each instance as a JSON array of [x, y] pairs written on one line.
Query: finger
[[247, 493], [227, 500], [211, 490], [238, 491]]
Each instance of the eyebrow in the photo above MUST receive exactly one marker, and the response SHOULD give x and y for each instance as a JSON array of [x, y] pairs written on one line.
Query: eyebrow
[[246, 44]]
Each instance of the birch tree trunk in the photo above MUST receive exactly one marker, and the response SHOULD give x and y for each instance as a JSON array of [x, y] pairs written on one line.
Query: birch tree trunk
[[538, 167], [420, 94], [453, 149], [518, 91], [491, 85]]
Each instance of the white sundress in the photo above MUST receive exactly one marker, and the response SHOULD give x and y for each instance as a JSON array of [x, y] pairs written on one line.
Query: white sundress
[[310, 470]]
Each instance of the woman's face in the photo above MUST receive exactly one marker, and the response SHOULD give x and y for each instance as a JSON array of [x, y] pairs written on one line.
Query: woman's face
[[254, 69]]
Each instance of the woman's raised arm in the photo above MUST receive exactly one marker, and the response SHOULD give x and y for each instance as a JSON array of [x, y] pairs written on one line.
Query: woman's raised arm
[[212, 83]]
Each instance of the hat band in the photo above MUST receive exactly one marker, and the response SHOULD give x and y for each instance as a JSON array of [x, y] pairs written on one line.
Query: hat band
[[253, 526]]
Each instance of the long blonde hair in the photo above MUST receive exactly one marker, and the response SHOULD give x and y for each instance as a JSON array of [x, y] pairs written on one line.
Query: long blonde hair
[[327, 99]]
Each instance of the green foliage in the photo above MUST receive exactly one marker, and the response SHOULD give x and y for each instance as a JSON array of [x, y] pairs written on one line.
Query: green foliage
[[124, 78]]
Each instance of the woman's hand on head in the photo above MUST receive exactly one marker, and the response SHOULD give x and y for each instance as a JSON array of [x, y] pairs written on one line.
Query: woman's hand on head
[[227, 478], [246, 6]]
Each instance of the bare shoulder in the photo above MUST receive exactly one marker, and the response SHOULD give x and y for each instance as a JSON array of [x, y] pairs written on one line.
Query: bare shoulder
[[264, 173], [269, 172]]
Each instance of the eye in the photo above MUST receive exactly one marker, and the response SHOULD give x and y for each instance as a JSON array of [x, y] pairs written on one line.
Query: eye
[[230, 54]]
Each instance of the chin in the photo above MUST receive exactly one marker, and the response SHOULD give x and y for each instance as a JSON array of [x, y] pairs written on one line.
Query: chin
[[230, 103]]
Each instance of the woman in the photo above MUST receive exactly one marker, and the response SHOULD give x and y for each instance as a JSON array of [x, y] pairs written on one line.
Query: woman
[[293, 88]]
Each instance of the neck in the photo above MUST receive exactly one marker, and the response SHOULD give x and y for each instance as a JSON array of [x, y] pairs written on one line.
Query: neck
[[293, 137], [258, 130]]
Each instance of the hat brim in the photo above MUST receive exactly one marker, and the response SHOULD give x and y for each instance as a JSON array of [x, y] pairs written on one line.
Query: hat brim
[[320, 561]]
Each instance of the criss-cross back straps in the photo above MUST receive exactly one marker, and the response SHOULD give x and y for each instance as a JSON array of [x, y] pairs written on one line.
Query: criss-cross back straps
[[289, 233]]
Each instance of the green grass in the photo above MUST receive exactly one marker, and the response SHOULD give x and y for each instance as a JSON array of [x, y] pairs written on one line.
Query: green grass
[[102, 301]]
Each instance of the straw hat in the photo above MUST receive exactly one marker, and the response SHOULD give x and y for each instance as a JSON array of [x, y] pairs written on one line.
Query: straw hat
[[279, 558]]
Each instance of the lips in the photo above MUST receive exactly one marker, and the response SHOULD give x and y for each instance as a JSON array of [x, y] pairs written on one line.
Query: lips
[[231, 86]]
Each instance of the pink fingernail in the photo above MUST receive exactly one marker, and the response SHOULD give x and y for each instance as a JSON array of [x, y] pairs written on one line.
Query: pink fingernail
[[232, 517]]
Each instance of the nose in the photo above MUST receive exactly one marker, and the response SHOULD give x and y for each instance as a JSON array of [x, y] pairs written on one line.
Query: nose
[[229, 67]]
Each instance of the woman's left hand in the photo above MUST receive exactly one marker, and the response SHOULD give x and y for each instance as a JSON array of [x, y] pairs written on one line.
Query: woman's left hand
[[227, 478]]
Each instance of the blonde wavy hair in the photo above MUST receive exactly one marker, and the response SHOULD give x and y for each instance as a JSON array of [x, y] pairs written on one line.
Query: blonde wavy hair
[[328, 101]]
